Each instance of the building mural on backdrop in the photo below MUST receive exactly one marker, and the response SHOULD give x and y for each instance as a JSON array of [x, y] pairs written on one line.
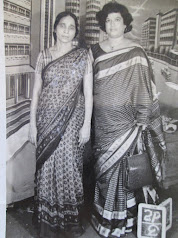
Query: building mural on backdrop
[[19, 78], [28, 29], [21, 19]]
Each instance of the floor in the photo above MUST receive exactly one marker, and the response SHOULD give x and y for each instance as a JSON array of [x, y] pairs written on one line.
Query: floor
[[19, 218]]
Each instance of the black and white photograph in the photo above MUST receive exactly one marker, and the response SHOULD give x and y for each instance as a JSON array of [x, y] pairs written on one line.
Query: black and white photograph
[[89, 112]]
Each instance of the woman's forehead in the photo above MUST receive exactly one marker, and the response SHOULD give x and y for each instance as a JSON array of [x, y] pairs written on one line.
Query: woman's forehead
[[67, 19], [114, 15]]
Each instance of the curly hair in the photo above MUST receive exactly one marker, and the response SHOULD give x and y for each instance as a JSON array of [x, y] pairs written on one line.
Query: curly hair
[[114, 7], [59, 17]]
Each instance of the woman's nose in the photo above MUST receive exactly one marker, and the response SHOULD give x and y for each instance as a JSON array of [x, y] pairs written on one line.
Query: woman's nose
[[66, 30], [112, 23]]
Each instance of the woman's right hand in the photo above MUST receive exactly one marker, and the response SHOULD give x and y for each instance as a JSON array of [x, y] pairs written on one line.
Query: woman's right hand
[[142, 125], [33, 134]]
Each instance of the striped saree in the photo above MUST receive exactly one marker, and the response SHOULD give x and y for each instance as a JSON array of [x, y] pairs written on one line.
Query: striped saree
[[123, 97]]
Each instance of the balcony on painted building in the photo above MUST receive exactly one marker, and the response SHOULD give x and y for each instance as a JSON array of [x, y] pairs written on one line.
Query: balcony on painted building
[[17, 54]]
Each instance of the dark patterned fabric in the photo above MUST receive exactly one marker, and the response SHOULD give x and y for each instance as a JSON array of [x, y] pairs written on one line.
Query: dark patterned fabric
[[60, 115], [61, 92], [123, 97]]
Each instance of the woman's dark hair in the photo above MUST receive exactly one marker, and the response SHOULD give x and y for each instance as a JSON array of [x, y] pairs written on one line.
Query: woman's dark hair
[[114, 7], [59, 17]]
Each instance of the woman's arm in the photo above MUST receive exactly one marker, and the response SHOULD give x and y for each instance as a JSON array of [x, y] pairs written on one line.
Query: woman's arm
[[36, 93], [84, 134]]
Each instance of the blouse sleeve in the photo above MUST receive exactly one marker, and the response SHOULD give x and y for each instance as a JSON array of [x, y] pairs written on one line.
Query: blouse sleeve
[[39, 63], [89, 68], [91, 56]]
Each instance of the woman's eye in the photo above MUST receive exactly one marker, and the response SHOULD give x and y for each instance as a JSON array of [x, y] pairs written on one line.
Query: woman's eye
[[62, 25], [118, 19], [107, 20], [72, 28]]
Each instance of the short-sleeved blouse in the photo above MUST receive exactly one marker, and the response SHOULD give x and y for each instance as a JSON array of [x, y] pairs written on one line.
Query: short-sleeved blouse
[[43, 59]]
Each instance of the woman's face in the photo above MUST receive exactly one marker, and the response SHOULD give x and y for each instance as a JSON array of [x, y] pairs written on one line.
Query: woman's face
[[114, 25], [66, 29]]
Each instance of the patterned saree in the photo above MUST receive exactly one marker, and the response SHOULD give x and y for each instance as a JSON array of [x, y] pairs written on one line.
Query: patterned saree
[[123, 97], [60, 115]]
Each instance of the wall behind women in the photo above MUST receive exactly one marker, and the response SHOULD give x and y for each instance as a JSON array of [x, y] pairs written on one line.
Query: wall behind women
[[35, 32]]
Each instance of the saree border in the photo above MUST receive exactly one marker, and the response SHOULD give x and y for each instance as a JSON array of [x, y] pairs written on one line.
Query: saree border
[[116, 152]]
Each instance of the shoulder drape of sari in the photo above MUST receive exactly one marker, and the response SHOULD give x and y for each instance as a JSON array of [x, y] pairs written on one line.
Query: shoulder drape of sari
[[62, 81]]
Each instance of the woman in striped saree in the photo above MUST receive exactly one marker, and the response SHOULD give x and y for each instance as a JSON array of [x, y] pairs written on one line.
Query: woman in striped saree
[[60, 118], [124, 104]]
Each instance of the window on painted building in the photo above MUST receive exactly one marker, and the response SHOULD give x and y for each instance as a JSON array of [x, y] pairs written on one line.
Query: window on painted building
[[22, 11], [27, 13], [6, 6], [13, 8], [21, 84], [12, 87], [20, 50], [27, 30], [21, 29], [12, 50], [27, 50], [5, 26], [13, 27], [6, 50]]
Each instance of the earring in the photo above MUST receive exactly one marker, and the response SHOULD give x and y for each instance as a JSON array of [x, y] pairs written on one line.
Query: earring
[[75, 42], [128, 28]]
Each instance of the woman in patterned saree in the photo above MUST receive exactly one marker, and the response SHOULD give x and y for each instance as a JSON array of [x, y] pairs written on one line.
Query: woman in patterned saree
[[61, 112], [124, 104]]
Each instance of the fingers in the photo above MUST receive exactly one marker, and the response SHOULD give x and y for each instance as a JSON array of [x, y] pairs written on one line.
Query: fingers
[[32, 140], [142, 125], [35, 143], [32, 136], [83, 140], [84, 136]]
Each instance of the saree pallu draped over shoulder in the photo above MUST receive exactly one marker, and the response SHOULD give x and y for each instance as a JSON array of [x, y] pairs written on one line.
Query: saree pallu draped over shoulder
[[62, 85], [123, 97]]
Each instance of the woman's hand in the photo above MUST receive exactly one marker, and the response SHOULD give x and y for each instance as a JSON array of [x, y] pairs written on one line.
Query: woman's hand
[[163, 146], [33, 134], [142, 125], [164, 151], [84, 134]]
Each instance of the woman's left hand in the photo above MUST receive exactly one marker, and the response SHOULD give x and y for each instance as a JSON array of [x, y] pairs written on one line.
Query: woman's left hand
[[84, 134], [142, 125], [164, 151]]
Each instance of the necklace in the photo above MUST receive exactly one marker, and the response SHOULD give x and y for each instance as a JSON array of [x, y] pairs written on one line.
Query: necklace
[[113, 47], [115, 44]]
